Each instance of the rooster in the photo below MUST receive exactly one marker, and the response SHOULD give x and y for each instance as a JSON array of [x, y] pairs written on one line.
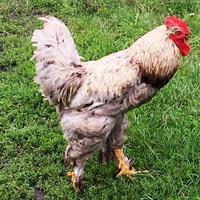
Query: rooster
[[92, 97]]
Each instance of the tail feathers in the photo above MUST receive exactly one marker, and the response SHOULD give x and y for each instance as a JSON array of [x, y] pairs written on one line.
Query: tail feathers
[[58, 69], [53, 39]]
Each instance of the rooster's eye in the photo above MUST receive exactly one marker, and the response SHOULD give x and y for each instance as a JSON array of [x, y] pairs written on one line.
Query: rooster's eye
[[177, 33]]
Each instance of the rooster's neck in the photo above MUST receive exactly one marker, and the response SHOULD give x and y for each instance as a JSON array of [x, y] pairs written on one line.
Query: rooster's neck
[[157, 55]]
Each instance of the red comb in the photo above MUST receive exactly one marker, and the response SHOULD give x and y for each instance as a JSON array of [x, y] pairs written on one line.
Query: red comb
[[173, 21]]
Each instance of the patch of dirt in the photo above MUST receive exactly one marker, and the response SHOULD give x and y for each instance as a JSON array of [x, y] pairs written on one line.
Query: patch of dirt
[[7, 66], [39, 193]]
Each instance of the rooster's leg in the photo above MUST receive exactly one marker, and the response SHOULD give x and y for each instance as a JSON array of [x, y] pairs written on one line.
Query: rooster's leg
[[85, 133], [77, 176], [74, 157], [115, 141], [123, 164]]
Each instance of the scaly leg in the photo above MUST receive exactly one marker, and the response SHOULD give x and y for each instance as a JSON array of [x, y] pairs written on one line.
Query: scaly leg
[[73, 177], [77, 176], [123, 164]]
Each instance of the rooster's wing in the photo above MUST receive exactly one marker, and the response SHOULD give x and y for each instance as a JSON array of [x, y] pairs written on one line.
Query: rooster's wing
[[107, 79]]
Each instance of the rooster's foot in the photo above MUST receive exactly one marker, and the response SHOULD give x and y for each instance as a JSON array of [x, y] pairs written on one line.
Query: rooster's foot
[[76, 183], [126, 171], [123, 164]]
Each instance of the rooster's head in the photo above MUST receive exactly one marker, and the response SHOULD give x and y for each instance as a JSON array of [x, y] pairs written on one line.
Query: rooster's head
[[178, 33]]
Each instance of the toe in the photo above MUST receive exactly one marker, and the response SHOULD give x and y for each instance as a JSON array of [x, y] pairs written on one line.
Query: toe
[[127, 172]]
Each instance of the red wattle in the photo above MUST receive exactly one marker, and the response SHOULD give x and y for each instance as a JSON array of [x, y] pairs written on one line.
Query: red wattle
[[182, 45]]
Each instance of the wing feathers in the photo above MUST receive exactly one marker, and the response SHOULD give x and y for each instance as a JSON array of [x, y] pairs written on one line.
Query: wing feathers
[[107, 79]]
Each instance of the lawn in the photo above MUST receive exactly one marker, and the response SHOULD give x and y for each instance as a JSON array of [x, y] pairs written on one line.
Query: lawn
[[164, 134]]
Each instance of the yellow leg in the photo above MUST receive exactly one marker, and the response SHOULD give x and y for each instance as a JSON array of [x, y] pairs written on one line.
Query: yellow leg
[[74, 180], [123, 165]]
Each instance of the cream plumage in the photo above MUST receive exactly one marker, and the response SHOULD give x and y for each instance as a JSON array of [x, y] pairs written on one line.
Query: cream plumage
[[92, 97]]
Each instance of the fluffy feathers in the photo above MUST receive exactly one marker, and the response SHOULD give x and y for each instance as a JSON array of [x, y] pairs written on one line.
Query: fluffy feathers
[[58, 70]]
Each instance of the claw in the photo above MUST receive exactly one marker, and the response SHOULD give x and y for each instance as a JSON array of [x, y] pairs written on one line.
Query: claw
[[127, 172], [75, 183], [124, 165]]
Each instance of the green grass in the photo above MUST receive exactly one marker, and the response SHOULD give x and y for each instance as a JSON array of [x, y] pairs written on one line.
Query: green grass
[[164, 134]]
